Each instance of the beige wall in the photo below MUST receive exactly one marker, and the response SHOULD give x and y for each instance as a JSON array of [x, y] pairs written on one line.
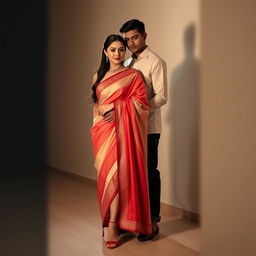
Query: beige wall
[[77, 31], [228, 125]]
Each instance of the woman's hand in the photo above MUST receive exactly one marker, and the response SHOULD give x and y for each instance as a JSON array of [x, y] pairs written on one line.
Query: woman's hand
[[103, 109], [109, 116]]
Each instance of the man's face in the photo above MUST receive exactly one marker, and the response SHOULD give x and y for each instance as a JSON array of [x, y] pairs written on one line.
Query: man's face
[[136, 42]]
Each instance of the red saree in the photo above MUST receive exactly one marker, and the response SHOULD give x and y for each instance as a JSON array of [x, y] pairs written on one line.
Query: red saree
[[120, 151]]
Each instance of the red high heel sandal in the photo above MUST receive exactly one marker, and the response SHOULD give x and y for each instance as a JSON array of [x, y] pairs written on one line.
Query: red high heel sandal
[[114, 243]]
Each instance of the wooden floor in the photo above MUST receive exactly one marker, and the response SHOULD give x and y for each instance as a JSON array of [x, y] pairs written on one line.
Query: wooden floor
[[75, 226]]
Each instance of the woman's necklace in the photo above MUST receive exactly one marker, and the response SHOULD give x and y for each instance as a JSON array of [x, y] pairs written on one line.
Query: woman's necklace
[[116, 69]]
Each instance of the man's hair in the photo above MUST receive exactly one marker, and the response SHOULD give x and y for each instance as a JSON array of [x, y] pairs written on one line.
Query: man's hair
[[133, 24]]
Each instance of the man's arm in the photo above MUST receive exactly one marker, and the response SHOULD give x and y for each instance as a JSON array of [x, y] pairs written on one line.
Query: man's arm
[[159, 82]]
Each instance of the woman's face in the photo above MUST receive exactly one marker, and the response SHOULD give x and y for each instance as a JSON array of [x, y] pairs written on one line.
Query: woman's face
[[115, 52]]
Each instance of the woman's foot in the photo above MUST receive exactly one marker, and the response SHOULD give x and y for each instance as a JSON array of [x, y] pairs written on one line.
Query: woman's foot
[[113, 233]]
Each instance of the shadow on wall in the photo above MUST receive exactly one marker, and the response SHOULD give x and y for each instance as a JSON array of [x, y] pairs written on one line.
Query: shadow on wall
[[184, 118]]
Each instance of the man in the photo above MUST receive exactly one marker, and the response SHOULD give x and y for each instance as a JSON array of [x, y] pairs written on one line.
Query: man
[[153, 69]]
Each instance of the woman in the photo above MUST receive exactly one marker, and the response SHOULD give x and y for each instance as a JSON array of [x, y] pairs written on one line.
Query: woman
[[119, 143]]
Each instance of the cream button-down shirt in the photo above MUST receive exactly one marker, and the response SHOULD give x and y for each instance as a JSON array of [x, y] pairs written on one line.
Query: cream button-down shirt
[[154, 71]]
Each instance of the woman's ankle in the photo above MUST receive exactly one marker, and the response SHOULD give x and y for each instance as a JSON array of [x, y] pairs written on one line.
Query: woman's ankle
[[113, 221]]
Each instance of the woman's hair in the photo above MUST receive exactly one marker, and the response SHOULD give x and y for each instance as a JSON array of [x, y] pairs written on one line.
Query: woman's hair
[[104, 64]]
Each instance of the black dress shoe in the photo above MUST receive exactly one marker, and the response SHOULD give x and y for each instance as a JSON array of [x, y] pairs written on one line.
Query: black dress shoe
[[144, 238], [122, 231]]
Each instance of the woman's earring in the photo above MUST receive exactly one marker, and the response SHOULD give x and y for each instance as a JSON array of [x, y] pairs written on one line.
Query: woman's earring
[[106, 59]]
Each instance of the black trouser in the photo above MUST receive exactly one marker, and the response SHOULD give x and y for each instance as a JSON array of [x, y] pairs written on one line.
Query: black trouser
[[154, 180]]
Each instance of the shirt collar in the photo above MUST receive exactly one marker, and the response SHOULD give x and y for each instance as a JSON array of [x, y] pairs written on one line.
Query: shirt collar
[[144, 54]]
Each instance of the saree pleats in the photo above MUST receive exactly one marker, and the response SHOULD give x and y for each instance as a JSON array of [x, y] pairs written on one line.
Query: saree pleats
[[120, 151]]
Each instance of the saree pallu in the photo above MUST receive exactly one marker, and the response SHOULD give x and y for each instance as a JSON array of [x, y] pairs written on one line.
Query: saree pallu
[[120, 151]]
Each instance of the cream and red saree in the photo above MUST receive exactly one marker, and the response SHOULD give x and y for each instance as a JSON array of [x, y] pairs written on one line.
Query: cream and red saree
[[120, 151]]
